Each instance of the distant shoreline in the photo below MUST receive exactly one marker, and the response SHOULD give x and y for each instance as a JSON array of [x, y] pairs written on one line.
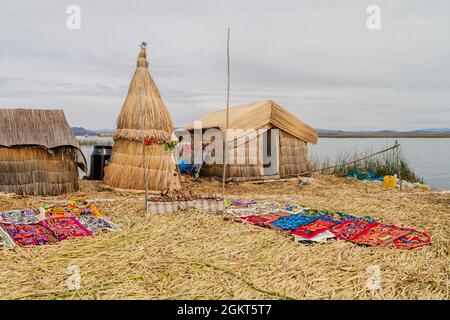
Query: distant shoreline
[[341, 135], [376, 135]]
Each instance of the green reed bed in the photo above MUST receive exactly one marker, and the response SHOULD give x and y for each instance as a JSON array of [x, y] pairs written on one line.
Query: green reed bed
[[383, 164]]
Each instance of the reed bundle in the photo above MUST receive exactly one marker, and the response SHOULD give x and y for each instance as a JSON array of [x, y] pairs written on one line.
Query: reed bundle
[[293, 155], [259, 115], [39, 154], [192, 255], [143, 116], [35, 171]]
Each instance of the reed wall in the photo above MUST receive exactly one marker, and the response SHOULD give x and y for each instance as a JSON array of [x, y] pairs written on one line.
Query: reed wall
[[126, 168], [32, 170], [293, 155]]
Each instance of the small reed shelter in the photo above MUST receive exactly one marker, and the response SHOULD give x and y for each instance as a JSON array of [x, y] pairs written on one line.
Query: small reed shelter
[[39, 154], [144, 129], [279, 153]]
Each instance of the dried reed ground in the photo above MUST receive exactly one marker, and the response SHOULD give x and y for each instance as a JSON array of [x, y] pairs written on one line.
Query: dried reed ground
[[192, 255]]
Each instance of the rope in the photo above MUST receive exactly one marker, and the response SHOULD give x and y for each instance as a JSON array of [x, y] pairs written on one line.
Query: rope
[[353, 161]]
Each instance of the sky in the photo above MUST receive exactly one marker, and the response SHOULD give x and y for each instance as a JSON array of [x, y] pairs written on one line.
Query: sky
[[316, 58]]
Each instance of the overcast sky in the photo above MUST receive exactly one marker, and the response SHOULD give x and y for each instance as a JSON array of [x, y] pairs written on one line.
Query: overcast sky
[[316, 58]]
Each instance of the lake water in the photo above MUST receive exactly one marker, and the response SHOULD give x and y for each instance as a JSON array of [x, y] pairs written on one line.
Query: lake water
[[429, 158]]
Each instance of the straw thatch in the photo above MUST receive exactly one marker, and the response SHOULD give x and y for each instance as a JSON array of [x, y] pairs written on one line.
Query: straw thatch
[[259, 115], [39, 155], [192, 255], [293, 155], [264, 115], [143, 115]]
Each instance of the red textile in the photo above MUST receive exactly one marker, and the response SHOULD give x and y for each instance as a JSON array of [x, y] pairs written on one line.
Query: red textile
[[276, 215], [29, 234], [314, 228], [65, 227], [348, 228], [378, 234], [258, 220], [415, 239]]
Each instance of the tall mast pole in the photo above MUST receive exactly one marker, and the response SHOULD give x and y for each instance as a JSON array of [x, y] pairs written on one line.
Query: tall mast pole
[[228, 117]]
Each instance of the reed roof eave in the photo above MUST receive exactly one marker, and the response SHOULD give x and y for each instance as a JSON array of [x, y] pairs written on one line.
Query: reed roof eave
[[48, 129], [258, 115]]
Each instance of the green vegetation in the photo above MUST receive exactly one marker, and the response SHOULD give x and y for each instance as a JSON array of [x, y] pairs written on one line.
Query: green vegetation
[[383, 164]]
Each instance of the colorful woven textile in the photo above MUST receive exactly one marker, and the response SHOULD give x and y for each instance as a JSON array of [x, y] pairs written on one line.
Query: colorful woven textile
[[28, 216], [254, 209], [413, 240], [77, 207], [378, 234], [276, 215], [56, 211], [292, 222], [5, 239], [337, 216], [238, 212], [312, 213], [241, 203], [320, 238], [97, 224], [29, 234], [312, 225], [314, 228], [258, 220], [51, 223], [348, 228], [81, 207], [65, 227], [292, 208]]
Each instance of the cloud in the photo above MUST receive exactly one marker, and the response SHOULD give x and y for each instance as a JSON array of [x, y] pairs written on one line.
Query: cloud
[[316, 58]]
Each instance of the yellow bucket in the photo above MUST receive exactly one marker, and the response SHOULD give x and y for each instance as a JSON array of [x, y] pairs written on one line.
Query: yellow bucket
[[390, 182]]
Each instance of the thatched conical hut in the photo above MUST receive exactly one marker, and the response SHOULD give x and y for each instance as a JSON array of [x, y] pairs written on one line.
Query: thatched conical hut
[[144, 127], [39, 154]]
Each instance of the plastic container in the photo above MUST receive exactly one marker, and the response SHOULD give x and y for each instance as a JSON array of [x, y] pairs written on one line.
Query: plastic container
[[99, 159], [390, 182]]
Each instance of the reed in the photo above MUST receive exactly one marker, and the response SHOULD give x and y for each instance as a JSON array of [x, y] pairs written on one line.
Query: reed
[[39, 154], [193, 255], [36, 171], [143, 116], [383, 164]]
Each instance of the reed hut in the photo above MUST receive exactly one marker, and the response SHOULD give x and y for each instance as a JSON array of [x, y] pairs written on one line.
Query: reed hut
[[279, 153], [144, 129], [39, 154]]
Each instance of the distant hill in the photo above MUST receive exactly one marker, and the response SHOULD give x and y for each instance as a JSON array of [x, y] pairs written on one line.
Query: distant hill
[[80, 131], [445, 132]]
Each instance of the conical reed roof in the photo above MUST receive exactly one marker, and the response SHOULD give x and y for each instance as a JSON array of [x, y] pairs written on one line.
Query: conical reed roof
[[143, 115], [143, 101]]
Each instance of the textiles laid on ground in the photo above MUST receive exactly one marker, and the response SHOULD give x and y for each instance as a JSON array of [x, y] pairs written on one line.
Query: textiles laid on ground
[[52, 223], [317, 226], [369, 176]]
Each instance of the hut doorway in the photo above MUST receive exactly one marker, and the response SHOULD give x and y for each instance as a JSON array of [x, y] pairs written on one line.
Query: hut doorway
[[271, 146]]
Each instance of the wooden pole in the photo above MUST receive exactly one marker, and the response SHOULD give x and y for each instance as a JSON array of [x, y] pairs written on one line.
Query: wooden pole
[[228, 118], [144, 162], [399, 168]]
